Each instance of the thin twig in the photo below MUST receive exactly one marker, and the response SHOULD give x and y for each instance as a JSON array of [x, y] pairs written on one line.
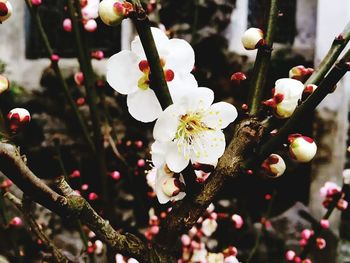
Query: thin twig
[[49, 52], [262, 62]]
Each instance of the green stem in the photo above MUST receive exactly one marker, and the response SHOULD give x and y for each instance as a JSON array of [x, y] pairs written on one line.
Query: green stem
[[333, 53], [325, 87], [262, 62], [158, 82], [49, 52], [89, 80]]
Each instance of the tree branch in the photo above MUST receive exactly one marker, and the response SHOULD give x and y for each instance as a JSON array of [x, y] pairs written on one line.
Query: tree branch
[[158, 82], [36, 229], [70, 206], [186, 213], [333, 53]]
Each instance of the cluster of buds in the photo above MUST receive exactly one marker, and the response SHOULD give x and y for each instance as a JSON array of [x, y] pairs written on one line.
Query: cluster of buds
[[5, 10], [253, 38], [285, 97], [153, 228], [331, 192], [112, 12], [18, 117], [300, 73], [301, 148], [292, 257], [274, 166], [89, 11]]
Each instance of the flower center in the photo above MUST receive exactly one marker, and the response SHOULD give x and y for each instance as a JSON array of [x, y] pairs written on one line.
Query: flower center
[[189, 132], [145, 79]]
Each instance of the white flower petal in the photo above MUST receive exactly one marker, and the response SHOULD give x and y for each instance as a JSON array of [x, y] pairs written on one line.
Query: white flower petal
[[180, 56], [290, 88], [182, 84], [167, 124], [123, 72], [220, 115], [208, 147], [160, 38], [197, 100], [143, 105], [158, 150], [175, 159]]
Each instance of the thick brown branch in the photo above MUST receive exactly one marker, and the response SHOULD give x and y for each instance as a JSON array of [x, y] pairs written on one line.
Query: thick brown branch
[[72, 205], [185, 214]]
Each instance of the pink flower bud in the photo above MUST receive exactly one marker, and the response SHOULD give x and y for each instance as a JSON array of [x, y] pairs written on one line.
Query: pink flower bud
[[16, 222], [302, 148], [307, 260], [84, 187], [297, 259], [98, 247], [7, 183], [115, 175], [290, 254], [154, 230], [320, 243], [141, 163], [230, 251], [55, 58], [5, 10], [342, 204], [98, 54], [67, 25], [36, 2], [112, 12], [300, 73], [185, 240], [306, 233], [308, 90], [75, 174], [302, 242], [274, 166], [93, 196], [79, 78], [237, 220], [80, 101], [252, 38], [324, 223], [139, 144], [4, 84], [90, 25], [18, 117], [237, 77]]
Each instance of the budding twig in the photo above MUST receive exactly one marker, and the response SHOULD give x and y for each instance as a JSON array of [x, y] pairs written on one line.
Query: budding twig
[[333, 53], [49, 52], [262, 61], [158, 82]]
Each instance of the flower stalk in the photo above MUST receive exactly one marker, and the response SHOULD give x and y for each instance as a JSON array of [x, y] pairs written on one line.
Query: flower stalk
[[262, 61], [89, 81]]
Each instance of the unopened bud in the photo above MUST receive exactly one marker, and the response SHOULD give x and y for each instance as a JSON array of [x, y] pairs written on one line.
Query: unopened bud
[[252, 38], [274, 166], [18, 117], [4, 84], [302, 148], [300, 73], [5, 10], [112, 12]]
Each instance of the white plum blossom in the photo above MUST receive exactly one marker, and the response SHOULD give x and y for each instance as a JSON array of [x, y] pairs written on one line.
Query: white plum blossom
[[199, 254], [231, 259], [215, 258], [191, 130], [128, 72], [90, 10], [285, 97], [169, 186], [209, 226]]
